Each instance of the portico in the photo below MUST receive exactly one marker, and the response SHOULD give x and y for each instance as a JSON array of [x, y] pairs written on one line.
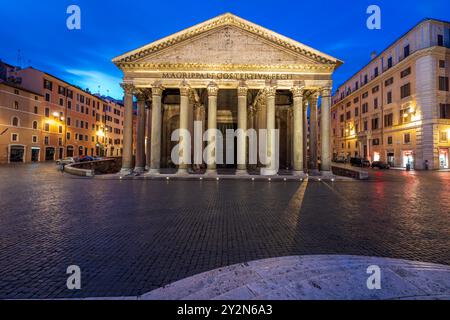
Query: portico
[[227, 73]]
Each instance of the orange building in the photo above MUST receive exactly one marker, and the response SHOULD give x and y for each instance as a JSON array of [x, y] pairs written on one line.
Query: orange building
[[65, 120]]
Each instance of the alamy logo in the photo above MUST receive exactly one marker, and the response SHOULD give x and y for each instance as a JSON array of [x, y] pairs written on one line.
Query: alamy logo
[[74, 280], [73, 22], [374, 280], [374, 20]]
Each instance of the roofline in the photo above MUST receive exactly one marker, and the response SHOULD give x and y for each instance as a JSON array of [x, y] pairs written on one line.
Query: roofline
[[233, 16], [390, 45], [69, 84], [9, 84]]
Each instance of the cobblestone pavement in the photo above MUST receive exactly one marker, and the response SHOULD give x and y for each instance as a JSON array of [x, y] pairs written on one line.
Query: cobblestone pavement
[[132, 236]]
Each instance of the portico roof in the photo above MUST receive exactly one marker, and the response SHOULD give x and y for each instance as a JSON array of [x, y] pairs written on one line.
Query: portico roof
[[284, 45]]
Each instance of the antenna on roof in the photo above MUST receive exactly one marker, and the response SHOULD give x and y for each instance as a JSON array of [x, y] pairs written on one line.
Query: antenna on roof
[[19, 59]]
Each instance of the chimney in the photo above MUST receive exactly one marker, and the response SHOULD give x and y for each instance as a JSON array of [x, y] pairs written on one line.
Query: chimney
[[373, 55]]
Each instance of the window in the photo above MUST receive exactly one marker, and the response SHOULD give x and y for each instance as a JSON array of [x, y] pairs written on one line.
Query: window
[[444, 110], [356, 111], [375, 142], [389, 140], [443, 83], [61, 90], [68, 135], [47, 97], [35, 125], [69, 104], [440, 40], [365, 107], [389, 97], [405, 116], [366, 79], [68, 121], [60, 129], [16, 91], [341, 118], [14, 137], [375, 89], [47, 112], [15, 121], [405, 90], [36, 110], [46, 141], [443, 136], [374, 123], [405, 72], [348, 115], [441, 63], [389, 120], [389, 62], [365, 125], [375, 72], [46, 127], [375, 103], [48, 84], [407, 138], [16, 105], [34, 139], [389, 81], [365, 95], [406, 51], [354, 101], [61, 101], [60, 141]]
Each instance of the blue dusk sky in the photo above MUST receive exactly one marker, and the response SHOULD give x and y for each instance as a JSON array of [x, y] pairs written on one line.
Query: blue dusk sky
[[110, 28]]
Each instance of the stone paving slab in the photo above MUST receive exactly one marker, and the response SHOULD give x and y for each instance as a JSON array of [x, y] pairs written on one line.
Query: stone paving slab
[[312, 277]]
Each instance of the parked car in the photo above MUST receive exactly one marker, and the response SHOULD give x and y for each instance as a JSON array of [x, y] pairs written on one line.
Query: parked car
[[380, 165], [65, 161], [359, 162], [86, 158]]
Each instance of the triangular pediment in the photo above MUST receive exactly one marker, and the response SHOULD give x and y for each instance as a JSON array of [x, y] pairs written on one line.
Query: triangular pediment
[[226, 40]]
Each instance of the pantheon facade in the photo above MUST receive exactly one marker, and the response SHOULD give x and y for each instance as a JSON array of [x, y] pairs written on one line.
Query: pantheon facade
[[227, 73]]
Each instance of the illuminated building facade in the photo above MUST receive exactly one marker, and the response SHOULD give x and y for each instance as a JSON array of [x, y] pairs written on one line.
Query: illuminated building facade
[[397, 108]]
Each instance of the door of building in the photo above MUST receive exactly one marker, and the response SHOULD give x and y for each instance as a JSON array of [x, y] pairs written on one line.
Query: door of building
[[35, 154], [16, 153], [49, 153]]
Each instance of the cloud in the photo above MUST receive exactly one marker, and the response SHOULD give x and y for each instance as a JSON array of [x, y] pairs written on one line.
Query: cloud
[[97, 81]]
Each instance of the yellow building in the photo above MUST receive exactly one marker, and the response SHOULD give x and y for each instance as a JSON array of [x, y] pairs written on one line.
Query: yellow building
[[46, 118], [397, 108]]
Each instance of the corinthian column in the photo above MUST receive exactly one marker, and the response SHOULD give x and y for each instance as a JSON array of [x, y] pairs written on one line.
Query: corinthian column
[[141, 96], [242, 126], [155, 157], [325, 125], [148, 133], [213, 90], [297, 93], [127, 156], [271, 167], [185, 143], [313, 132]]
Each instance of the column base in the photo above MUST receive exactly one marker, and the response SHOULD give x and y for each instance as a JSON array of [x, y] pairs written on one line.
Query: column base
[[125, 171], [182, 172], [268, 172], [241, 172], [211, 172], [153, 171], [139, 170]]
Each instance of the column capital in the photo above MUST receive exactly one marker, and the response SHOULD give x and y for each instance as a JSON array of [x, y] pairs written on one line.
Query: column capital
[[128, 88], [314, 96], [270, 91], [157, 90], [142, 94], [325, 92], [184, 88], [242, 90], [213, 89], [298, 91]]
